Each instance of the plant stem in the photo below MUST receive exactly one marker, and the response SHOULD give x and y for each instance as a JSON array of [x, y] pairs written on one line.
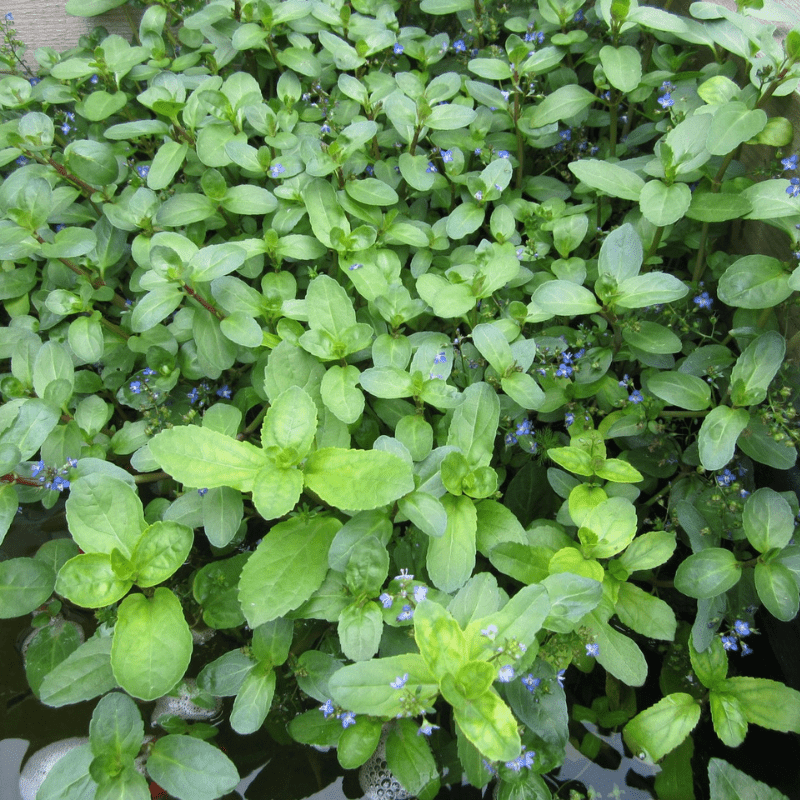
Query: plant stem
[[151, 477], [206, 305]]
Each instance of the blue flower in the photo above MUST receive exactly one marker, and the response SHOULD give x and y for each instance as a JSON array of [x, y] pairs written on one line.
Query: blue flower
[[353, 267], [136, 387], [666, 101], [502, 154], [399, 682], [9, 17], [65, 128], [578, 16], [327, 708], [726, 478], [420, 593], [635, 396], [742, 627], [593, 650], [510, 439], [224, 392], [34, 81], [348, 718], [560, 677], [668, 86], [563, 371], [72, 462], [729, 643], [369, 169], [426, 728], [94, 79], [447, 156], [569, 418], [459, 46], [406, 614], [59, 484], [746, 649], [477, 151], [790, 162], [21, 161], [490, 631], [38, 467], [793, 190], [524, 428], [276, 169], [431, 167], [386, 600], [398, 49], [202, 492], [147, 371], [479, 195], [506, 674], [566, 135], [142, 170], [404, 576], [440, 358], [703, 300], [531, 683], [193, 396], [324, 128]]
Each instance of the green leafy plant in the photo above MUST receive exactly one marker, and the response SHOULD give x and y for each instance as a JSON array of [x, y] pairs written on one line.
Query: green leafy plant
[[416, 351]]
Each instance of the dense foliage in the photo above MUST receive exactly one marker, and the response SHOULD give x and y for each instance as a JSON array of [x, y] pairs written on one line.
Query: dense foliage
[[416, 349]]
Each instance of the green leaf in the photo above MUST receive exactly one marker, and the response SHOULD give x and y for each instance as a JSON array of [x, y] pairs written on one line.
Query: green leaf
[[289, 427], [191, 769], [364, 687], [101, 105], [161, 550], [222, 512], [410, 760], [523, 390], [610, 179], [571, 598], [286, 568], [710, 666], [69, 778], [92, 161], [340, 395], [717, 206], [154, 307], [649, 289], [608, 528], [440, 640], [249, 200], [91, 8], [465, 219], [89, 580], [216, 589], [224, 676], [25, 584], [215, 261], [168, 160], [184, 209], [648, 550], [662, 727], [755, 281], [324, 211], [370, 191], [357, 479], [116, 728], [645, 613], [708, 573], [450, 117], [729, 783], [733, 123], [489, 724], [565, 298], [49, 647], [367, 567], [451, 557], [253, 700], [202, 458], [718, 435], [276, 490], [767, 703], [474, 424], [777, 590], [446, 299], [664, 205], [152, 644], [680, 389], [440, 7], [563, 103], [490, 68], [425, 511], [358, 742], [768, 520], [756, 367], [622, 65], [360, 629], [619, 654], [84, 674]]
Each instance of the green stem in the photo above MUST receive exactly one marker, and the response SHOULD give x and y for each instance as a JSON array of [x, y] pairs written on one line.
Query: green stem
[[150, 477], [651, 251]]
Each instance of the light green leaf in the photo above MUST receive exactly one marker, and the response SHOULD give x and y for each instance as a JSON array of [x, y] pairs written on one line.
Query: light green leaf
[[360, 629], [608, 178], [662, 727], [664, 205], [410, 760], [489, 724], [168, 160], [89, 580], [708, 573], [718, 435], [767, 703], [645, 613], [622, 65], [755, 281], [25, 584], [161, 550], [253, 700], [756, 367], [84, 674], [563, 103], [565, 298], [152, 644], [777, 590], [680, 389], [619, 654], [340, 394], [451, 557]]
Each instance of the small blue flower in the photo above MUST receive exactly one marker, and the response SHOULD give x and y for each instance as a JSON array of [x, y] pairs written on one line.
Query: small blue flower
[[404, 576], [510, 439], [490, 631], [21, 161], [202, 492], [502, 154], [563, 371], [325, 128], [147, 371], [142, 171], [420, 593], [635, 396], [406, 614], [477, 151], [578, 16], [426, 728], [9, 17], [276, 169], [726, 478], [742, 627], [744, 494], [531, 683], [399, 682], [560, 677], [566, 135], [746, 649], [447, 156], [440, 358], [136, 387], [348, 718], [593, 650], [398, 49], [524, 428], [327, 708], [59, 484], [38, 467], [369, 169], [193, 396], [224, 392], [729, 643], [459, 46], [431, 167], [94, 79], [793, 190], [666, 101], [386, 600], [703, 300], [506, 674], [789, 163], [353, 267], [65, 128], [34, 81], [72, 462], [667, 86], [479, 195]]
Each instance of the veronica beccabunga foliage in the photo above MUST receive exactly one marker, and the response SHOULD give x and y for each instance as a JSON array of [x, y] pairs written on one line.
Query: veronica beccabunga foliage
[[416, 350]]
